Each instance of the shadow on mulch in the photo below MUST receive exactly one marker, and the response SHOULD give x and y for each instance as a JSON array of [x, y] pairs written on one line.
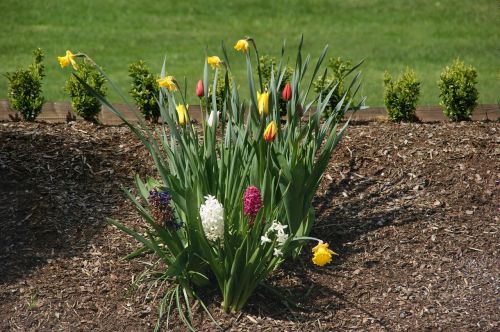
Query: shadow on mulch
[[55, 192]]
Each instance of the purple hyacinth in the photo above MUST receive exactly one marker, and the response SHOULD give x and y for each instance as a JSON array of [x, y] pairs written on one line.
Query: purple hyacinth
[[252, 202], [161, 211]]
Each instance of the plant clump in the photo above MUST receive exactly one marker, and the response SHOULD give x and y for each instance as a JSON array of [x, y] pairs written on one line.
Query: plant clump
[[458, 92], [144, 90], [401, 96], [83, 101], [25, 88]]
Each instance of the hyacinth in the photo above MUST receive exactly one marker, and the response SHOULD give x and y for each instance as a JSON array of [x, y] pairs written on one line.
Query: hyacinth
[[322, 255], [161, 211], [212, 218], [252, 202], [278, 230]]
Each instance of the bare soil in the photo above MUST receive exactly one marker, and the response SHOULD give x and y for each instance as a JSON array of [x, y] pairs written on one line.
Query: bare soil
[[411, 209]]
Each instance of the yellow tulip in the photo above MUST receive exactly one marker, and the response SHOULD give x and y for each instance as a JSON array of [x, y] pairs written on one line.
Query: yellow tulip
[[214, 61], [182, 113], [270, 132], [241, 45], [167, 82], [322, 255], [263, 103], [68, 59]]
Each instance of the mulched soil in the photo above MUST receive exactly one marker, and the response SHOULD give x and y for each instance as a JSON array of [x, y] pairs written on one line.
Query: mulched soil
[[412, 210]]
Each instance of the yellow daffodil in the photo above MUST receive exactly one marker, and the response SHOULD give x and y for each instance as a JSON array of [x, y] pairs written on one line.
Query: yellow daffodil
[[322, 255], [214, 61], [68, 59], [241, 45], [270, 132], [263, 103], [182, 113], [167, 82]]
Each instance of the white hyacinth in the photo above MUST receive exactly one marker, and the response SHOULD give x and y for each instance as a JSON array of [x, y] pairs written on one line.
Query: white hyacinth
[[265, 239], [277, 252], [212, 218], [280, 235]]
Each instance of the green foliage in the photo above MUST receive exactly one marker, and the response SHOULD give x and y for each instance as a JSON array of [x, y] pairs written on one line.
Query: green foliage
[[144, 90], [226, 158], [83, 102], [335, 75], [458, 92], [401, 96], [268, 64], [25, 88]]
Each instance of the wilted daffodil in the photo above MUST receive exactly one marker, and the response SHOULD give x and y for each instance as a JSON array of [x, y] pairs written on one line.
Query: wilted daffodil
[[68, 59], [263, 102], [214, 61], [167, 82], [322, 255], [241, 45], [270, 132], [182, 113]]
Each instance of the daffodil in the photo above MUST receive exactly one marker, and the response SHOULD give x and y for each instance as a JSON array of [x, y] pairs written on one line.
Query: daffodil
[[214, 61], [68, 59], [263, 102], [322, 255], [270, 132], [182, 113], [167, 82], [241, 45]]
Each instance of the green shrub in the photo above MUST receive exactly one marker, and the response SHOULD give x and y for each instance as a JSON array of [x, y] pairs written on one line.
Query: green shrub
[[268, 63], [144, 90], [82, 101], [401, 96], [25, 88], [339, 69], [457, 86]]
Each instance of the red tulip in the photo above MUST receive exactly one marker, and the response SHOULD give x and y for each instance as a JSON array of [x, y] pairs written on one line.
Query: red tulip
[[287, 92], [200, 90]]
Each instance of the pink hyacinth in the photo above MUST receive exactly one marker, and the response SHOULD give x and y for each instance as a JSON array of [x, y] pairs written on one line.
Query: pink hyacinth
[[252, 202]]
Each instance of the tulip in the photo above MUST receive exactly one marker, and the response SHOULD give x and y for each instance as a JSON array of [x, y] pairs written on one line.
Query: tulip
[[286, 95], [210, 120], [241, 45], [214, 61], [167, 82], [182, 113], [263, 103], [68, 59], [270, 132], [200, 90]]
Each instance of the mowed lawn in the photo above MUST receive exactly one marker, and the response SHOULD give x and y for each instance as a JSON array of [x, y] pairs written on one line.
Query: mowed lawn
[[390, 35]]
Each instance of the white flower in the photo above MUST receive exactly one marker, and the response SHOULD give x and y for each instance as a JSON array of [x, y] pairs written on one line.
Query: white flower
[[281, 237], [276, 226], [212, 218], [277, 252], [210, 120], [264, 239]]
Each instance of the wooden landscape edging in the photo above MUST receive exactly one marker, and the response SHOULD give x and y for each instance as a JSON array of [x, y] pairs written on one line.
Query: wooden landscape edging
[[57, 112]]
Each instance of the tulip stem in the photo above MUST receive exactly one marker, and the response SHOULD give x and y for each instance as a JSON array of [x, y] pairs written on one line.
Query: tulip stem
[[201, 112]]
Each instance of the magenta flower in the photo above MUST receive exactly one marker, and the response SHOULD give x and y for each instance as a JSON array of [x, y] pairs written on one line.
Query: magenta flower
[[252, 202]]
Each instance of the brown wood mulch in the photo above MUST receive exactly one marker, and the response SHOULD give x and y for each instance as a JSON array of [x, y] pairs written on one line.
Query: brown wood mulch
[[411, 209]]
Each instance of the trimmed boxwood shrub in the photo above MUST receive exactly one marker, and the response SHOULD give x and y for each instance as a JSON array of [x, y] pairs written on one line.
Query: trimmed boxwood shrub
[[401, 96], [144, 90], [25, 88], [82, 101], [458, 92]]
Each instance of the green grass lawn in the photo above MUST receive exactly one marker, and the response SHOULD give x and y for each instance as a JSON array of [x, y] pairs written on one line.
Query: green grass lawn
[[389, 34]]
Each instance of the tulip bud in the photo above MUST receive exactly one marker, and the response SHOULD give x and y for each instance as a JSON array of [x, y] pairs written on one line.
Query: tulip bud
[[286, 95], [200, 90], [270, 132]]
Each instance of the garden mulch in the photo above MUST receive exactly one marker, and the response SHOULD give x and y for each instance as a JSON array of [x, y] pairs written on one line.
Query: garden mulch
[[411, 209]]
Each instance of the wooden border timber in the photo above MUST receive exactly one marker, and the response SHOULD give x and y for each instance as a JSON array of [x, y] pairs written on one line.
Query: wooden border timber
[[56, 112]]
